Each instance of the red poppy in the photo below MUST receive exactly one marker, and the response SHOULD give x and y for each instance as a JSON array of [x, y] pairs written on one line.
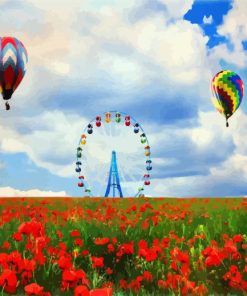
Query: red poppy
[[114, 240], [6, 245], [155, 220], [33, 289], [78, 242], [123, 284], [151, 255], [64, 262], [28, 265], [62, 246], [183, 257], [230, 247], [81, 291], [238, 238], [17, 236], [101, 241], [24, 228], [69, 276], [143, 244], [165, 242], [233, 269], [101, 292], [59, 234], [15, 258], [75, 233], [26, 277], [97, 262], [147, 276], [84, 252], [236, 256], [145, 224], [8, 281], [80, 274], [109, 270], [107, 285], [40, 258], [110, 248], [127, 248], [161, 283]]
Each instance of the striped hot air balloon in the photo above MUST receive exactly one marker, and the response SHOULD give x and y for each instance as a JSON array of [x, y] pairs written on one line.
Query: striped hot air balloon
[[13, 60], [228, 90]]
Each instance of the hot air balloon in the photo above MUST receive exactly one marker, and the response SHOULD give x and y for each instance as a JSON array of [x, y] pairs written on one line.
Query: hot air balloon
[[228, 89], [13, 60]]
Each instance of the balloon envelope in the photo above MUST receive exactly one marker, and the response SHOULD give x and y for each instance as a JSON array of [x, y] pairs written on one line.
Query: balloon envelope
[[228, 89], [13, 60]]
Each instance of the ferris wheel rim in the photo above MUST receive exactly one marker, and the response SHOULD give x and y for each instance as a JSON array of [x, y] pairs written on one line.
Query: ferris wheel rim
[[133, 122]]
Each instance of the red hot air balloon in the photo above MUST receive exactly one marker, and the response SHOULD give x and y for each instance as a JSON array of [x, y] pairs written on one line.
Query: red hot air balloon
[[13, 60]]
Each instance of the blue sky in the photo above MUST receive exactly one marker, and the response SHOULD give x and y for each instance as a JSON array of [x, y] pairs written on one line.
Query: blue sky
[[151, 59], [216, 9]]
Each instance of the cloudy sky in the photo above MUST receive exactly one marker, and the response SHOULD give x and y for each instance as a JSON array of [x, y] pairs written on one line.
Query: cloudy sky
[[153, 59]]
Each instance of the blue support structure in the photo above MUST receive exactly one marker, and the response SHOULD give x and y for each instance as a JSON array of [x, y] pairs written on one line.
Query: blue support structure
[[113, 180]]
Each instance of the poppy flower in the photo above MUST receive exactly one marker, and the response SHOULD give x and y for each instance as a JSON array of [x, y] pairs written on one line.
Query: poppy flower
[[62, 246], [40, 258], [69, 276], [75, 233], [80, 274], [81, 291], [59, 234], [123, 284], [8, 281], [101, 292], [33, 289], [110, 248], [84, 252], [97, 262], [101, 241], [26, 276], [6, 245], [238, 238], [109, 270], [145, 224], [114, 240], [161, 283], [147, 276], [64, 262], [151, 255], [17, 236], [78, 242]]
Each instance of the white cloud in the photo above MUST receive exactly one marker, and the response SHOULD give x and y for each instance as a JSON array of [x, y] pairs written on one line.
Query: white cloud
[[77, 45], [208, 20], [51, 146], [211, 135], [50, 139], [11, 192], [177, 49], [234, 28], [234, 23], [177, 8]]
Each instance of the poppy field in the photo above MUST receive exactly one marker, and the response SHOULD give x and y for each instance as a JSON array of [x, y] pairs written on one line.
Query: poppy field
[[99, 247]]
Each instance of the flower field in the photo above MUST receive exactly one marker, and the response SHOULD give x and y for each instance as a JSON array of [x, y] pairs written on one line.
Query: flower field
[[99, 247]]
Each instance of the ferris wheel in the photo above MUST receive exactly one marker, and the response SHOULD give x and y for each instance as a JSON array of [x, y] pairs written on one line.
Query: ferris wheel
[[110, 159]]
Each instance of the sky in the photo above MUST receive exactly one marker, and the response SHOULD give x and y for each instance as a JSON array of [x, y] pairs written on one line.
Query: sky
[[152, 59]]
